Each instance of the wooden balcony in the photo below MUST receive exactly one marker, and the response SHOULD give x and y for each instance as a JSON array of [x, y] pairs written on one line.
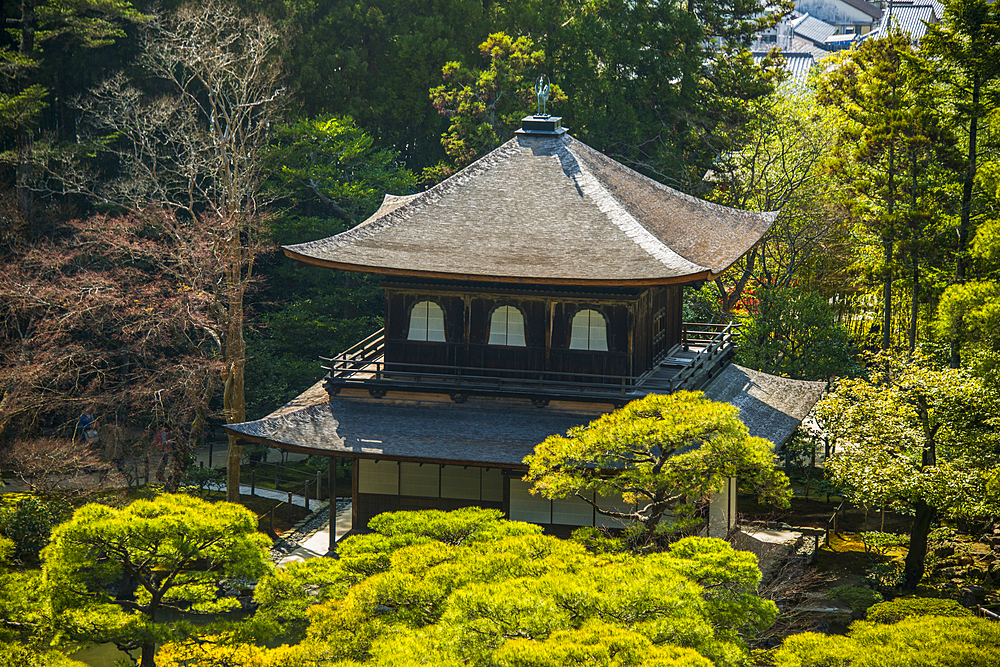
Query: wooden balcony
[[704, 351]]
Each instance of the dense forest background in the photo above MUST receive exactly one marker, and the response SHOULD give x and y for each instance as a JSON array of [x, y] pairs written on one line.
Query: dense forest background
[[156, 157]]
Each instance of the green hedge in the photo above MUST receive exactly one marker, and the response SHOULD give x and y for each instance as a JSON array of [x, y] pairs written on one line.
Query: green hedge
[[896, 610]]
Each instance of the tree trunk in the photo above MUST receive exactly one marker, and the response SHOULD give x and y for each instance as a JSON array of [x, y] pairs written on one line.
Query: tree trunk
[[234, 400], [914, 298], [913, 569], [148, 656], [888, 240], [914, 261], [966, 218]]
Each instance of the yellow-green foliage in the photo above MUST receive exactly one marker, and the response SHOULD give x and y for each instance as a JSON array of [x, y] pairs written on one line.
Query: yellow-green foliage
[[913, 642], [21, 655], [108, 571], [900, 608], [657, 452], [597, 645], [503, 594]]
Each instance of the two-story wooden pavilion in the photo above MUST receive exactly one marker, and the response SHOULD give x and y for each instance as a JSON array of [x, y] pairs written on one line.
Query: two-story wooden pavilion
[[530, 292]]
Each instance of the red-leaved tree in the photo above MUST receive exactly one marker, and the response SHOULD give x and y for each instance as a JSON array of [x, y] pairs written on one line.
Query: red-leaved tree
[[116, 314]]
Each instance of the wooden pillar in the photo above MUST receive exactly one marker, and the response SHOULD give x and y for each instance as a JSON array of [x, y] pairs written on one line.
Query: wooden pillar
[[550, 317], [332, 488]]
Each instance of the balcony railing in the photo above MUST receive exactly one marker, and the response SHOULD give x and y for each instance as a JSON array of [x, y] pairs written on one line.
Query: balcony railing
[[704, 350]]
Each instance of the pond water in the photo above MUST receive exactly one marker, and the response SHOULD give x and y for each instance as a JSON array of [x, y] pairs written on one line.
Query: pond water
[[105, 655]]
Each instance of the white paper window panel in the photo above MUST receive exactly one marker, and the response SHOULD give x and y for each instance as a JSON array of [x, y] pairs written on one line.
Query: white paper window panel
[[426, 322], [492, 485], [589, 332], [579, 335], [614, 503], [572, 512], [378, 477], [419, 480], [418, 322], [435, 322], [598, 332], [461, 483], [507, 327], [526, 507]]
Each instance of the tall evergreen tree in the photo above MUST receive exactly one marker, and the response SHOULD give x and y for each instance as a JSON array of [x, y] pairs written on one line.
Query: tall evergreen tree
[[49, 32], [964, 52], [887, 141]]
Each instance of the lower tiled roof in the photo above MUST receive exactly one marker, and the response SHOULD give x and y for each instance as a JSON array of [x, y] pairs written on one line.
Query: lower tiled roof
[[488, 431]]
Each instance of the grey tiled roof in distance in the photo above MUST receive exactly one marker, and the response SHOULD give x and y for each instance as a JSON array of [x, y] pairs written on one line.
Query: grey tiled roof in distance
[[812, 29], [490, 431], [548, 210], [911, 19], [866, 7], [798, 66]]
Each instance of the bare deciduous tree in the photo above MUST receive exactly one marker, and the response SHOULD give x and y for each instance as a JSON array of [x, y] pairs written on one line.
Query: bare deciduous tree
[[116, 312], [196, 150], [48, 462]]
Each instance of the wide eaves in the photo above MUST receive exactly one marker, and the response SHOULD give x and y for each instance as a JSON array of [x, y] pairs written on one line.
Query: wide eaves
[[549, 210]]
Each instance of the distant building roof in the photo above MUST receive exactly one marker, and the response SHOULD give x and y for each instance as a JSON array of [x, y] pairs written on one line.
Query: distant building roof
[[841, 42], [549, 210], [812, 29], [798, 66], [488, 432], [772, 407], [798, 45], [911, 19], [866, 7]]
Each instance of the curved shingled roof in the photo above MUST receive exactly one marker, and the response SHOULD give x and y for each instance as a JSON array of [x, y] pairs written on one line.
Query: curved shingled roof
[[482, 432], [545, 209]]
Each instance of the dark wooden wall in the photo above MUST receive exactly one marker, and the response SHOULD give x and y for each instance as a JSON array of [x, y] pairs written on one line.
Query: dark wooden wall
[[640, 325], [667, 310]]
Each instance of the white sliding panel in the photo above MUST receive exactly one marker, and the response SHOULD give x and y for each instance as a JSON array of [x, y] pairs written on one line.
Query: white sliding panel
[[526, 507], [378, 477], [419, 480], [460, 482]]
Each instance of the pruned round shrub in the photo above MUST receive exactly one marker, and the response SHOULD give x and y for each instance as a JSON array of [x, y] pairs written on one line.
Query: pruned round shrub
[[28, 524], [896, 610]]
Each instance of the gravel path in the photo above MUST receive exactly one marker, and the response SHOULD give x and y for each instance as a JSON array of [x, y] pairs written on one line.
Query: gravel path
[[318, 521]]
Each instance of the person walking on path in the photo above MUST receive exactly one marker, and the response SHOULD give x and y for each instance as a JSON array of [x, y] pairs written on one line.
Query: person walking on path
[[86, 427]]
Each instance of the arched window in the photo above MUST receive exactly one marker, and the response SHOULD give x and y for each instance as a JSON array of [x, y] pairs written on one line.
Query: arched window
[[507, 327], [589, 332], [426, 322]]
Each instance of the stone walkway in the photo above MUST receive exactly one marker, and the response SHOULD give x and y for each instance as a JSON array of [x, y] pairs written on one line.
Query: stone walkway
[[310, 537]]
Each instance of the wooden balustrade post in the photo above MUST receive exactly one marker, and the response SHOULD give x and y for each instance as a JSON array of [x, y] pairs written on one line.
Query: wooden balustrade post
[[253, 482], [289, 507], [305, 495], [333, 503], [319, 476]]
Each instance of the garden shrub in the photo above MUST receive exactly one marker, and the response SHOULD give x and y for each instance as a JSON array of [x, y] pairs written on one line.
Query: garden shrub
[[896, 610], [879, 544], [912, 642], [28, 524], [7, 547], [857, 598], [885, 575], [203, 480]]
